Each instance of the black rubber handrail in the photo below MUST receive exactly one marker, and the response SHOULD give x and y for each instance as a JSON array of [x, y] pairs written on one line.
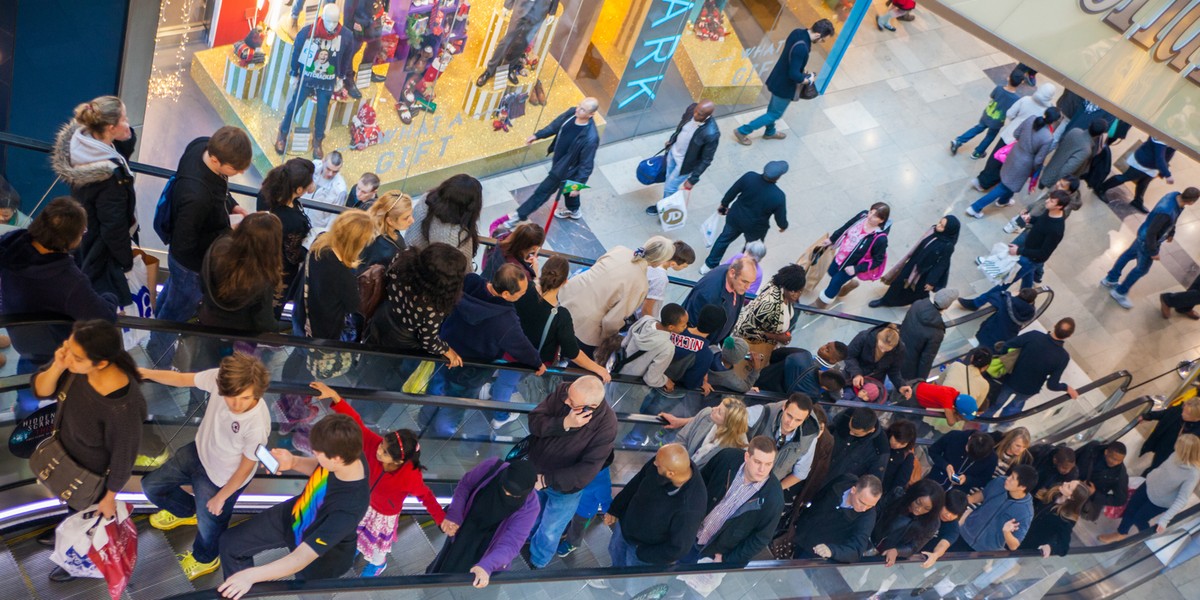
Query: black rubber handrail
[[416, 582], [1145, 403]]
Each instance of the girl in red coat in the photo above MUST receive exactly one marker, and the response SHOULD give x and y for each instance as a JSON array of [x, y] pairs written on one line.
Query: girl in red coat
[[394, 461]]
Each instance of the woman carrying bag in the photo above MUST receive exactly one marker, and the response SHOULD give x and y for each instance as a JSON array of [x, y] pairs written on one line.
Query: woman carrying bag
[[859, 250], [925, 270], [98, 428]]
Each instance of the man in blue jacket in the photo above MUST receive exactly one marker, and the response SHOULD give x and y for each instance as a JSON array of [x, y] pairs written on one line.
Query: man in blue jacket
[[785, 76], [1158, 227], [1152, 159], [573, 157], [1041, 362], [1002, 519], [749, 204]]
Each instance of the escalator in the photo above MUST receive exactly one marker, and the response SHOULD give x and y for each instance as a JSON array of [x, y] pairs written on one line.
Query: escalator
[[175, 415]]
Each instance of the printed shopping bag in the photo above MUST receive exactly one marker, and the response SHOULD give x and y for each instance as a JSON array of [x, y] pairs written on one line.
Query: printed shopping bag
[[672, 211], [712, 227], [88, 545], [141, 278], [999, 264]]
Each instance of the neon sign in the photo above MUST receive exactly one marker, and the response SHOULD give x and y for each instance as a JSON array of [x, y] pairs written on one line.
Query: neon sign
[[657, 43]]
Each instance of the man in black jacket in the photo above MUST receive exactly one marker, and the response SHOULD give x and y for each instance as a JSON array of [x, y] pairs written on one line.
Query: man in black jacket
[[755, 198], [860, 446], [745, 502], [690, 149], [573, 156], [838, 524], [1045, 233], [659, 512], [200, 208], [1055, 465], [1102, 470], [789, 72]]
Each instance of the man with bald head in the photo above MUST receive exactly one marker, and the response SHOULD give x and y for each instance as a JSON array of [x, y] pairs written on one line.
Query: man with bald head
[[573, 156], [571, 436], [656, 516], [690, 149]]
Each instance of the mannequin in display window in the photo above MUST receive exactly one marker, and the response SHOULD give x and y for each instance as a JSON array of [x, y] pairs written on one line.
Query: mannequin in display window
[[320, 66], [523, 25]]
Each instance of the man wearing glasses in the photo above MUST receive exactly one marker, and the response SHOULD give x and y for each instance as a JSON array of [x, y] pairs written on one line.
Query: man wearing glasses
[[571, 440]]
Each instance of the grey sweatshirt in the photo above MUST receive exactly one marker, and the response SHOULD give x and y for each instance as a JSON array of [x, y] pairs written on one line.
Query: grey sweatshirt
[[1171, 485], [651, 366]]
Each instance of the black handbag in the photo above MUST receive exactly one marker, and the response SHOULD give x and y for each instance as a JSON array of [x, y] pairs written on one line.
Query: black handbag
[[61, 474], [808, 89]]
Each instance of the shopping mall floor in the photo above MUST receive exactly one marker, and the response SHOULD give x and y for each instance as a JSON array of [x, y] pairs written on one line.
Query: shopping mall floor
[[880, 133]]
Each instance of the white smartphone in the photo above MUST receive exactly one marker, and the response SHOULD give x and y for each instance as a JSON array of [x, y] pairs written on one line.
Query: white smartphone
[[270, 463]]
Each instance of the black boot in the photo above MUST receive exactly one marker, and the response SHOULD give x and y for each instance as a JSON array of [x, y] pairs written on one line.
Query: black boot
[[485, 77], [1138, 206], [59, 575]]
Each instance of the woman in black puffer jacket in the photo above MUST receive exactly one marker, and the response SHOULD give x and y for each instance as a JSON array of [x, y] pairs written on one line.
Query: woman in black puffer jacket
[[91, 154]]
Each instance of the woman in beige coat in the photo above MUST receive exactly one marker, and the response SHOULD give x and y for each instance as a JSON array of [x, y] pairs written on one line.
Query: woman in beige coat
[[602, 297]]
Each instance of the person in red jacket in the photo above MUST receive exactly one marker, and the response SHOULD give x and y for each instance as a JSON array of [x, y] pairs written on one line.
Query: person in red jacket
[[394, 464]]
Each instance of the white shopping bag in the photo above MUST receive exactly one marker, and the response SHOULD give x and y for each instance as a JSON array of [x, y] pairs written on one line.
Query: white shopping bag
[[703, 583], [672, 211], [141, 289], [712, 227], [999, 264], [78, 534]]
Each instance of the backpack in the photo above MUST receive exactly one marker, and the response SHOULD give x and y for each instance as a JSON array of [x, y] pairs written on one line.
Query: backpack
[[620, 359], [163, 221]]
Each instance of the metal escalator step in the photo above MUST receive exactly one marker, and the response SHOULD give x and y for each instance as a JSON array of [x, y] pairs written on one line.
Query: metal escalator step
[[157, 574], [12, 578]]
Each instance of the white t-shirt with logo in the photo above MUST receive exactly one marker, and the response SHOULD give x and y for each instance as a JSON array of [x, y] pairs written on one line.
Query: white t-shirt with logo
[[224, 437]]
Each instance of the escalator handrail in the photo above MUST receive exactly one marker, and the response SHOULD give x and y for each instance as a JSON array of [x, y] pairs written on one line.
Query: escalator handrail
[[1066, 397], [403, 582], [1146, 403], [751, 398]]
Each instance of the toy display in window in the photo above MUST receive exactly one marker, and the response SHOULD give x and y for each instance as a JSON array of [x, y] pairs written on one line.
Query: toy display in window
[[523, 25], [370, 21], [364, 132], [436, 36], [710, 24], [249, 50], [320, 67]]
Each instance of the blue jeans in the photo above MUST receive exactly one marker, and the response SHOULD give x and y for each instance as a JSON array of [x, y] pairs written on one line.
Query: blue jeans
[[1138, 251], [979, 128], [837, 278], [503, 387], [1139, 511], [1000, 194], [1017, 405], [323, 96], [674, 177], [161, 487], [1028, 271], [178, 302], [557, 510], [625, 555], [775, 109], [462, 382]]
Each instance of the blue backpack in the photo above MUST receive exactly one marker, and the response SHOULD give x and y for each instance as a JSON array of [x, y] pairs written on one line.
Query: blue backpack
[[163, 224]]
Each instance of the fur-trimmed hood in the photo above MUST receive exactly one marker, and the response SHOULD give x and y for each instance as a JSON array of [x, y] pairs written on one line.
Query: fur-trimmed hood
[[82, 174]]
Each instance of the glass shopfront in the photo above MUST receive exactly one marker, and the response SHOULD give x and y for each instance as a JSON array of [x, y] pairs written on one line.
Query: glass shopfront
[[417, 90]]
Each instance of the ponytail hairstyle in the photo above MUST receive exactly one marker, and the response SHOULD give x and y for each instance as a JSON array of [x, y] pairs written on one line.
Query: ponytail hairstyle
[[404, 447], [99, 114], [391, 204], [1050, 117], [554, 273], [101, 341], [280, 184], [655, 251]]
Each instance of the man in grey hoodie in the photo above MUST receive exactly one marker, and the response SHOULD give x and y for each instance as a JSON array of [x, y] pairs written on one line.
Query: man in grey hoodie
[[647, 350], [922, 332]]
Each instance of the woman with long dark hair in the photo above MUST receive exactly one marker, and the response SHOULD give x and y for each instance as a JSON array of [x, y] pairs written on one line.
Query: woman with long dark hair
[[394, 472], [242, 276], [281, 189], [767, 320], [422, 287], [909, 521], [927, 268], [519, 247], [102, 408], [450, 215]]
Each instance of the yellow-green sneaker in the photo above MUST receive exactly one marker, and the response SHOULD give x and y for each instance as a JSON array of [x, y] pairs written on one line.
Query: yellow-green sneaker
[[166, 521], [151, 462], [194, 569]]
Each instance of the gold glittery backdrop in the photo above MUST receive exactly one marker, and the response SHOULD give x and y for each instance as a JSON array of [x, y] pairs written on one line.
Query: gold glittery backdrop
[[717, 70]]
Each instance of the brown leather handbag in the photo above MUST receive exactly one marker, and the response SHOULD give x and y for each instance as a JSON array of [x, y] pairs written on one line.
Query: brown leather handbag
[[61, 474]]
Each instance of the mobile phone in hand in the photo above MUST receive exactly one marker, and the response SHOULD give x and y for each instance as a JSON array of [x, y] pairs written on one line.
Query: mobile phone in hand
[[270, 463]]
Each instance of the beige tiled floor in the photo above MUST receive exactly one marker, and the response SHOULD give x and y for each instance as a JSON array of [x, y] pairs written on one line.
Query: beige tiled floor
[[880, 133]]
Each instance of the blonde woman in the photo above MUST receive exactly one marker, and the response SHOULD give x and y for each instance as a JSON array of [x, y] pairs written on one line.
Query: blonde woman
[[91, 155], [390, 214], [1166, 491], [328, 289], [714, 429], [1056, 511], [1012, 449], [602, 297]]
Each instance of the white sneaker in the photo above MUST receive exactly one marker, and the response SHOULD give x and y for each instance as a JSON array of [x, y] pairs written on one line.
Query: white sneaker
[[1108, 284], [973, 213], [599, 584], [704, 269], [975, 184], [498, 423], [485, 392], [565, 213], [512, 221], [1010, 227], [1121, 299]]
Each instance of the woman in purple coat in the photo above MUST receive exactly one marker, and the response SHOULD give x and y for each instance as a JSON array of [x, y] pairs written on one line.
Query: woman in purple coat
[[489, 519]]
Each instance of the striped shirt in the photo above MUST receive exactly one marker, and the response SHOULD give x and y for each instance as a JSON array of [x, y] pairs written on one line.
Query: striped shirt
[[738, 493]]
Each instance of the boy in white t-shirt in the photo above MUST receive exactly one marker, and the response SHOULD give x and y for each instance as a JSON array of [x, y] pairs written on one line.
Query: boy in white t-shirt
[[219, 464]]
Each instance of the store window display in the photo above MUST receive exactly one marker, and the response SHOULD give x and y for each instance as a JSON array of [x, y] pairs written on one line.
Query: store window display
[[523, 24], [320, 65]]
